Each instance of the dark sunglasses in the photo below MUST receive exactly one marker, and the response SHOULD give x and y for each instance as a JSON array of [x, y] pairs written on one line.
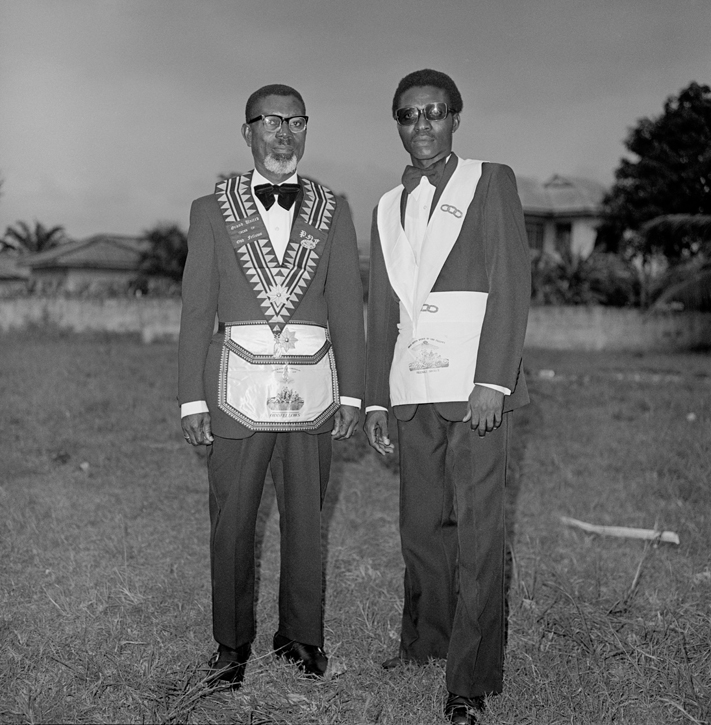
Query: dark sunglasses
[[411, 115]]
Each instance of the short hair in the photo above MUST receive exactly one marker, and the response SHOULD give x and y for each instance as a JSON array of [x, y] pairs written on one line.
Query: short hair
[[275, 89], [429, 77]]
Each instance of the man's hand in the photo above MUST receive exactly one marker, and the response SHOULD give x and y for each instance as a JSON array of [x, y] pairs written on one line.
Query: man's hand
[[197, 429], [344, 422], [486, 407], [376, 428]]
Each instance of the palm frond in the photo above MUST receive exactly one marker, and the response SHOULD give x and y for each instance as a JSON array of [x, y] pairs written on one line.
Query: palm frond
[[677, 227], [693, 293]]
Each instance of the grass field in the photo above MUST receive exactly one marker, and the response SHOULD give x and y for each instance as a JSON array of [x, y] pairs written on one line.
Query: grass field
[[104, 586]]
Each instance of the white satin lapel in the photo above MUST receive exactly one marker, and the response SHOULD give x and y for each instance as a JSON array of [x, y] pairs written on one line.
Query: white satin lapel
[[397, 251], [444, 228]]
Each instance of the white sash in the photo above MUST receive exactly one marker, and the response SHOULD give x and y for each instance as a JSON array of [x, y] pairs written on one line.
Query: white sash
[[436, 350], [412, 282], [281, 383]]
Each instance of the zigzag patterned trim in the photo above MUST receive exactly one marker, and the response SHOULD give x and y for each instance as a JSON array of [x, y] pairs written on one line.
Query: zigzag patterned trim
[[235, 197], [318, 205]]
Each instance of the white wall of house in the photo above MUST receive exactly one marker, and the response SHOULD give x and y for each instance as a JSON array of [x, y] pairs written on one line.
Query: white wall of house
[[575, 233], [583, 237]]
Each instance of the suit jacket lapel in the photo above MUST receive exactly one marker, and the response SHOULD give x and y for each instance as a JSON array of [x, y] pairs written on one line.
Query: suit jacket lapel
[[397, 250], [444, 226]]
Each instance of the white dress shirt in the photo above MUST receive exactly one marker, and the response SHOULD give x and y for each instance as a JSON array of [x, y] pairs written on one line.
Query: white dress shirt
[[278, 222]]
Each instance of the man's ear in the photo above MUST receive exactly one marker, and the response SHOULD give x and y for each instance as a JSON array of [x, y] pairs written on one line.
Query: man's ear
[[455, 122], [247, 134]]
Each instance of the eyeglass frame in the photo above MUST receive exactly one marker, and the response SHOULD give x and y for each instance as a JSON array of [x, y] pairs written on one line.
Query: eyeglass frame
[[283, 119], [422, 111]]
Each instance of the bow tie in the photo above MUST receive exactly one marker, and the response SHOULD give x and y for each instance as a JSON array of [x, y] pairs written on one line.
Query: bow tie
[[412, 175], [286, 193]]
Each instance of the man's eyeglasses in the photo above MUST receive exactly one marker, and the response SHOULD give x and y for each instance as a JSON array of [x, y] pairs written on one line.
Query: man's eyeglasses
[[411, 115], [272, 122]]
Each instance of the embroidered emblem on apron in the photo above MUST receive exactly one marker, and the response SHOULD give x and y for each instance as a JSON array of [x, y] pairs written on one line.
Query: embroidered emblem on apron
[[427, 356]]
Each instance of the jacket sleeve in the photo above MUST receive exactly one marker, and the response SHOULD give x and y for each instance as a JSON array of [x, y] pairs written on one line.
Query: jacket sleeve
[[508, 270], [383, 317], [344, 300], [199, 294]]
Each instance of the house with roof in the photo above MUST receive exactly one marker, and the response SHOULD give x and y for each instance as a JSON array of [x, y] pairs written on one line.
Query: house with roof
[[99, 263], [13, 278], [561, 214]]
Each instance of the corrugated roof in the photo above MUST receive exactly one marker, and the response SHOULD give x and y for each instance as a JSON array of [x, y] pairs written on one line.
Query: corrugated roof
[[101, 251], [560, 195]]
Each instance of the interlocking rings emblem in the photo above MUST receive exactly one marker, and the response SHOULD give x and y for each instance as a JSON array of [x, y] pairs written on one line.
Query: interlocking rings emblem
[[429, 308], [452, 210]]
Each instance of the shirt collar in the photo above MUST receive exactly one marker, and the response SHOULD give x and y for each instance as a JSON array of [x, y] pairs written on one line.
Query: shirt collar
[[257, 179]]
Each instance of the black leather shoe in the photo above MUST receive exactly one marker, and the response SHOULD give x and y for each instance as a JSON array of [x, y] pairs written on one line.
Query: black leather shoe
[[309, 658], [227, 666], [393, 663], [398, 661], [463, 710]]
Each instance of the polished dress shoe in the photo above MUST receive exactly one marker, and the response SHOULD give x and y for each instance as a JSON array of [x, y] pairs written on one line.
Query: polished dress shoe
[[227, 666], [393, 663], [309, 658], [462, 710], [398, 661]]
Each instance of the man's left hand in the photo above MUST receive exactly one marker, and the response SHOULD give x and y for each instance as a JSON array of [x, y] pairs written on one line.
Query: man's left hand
[[344, 422], [486, 407]]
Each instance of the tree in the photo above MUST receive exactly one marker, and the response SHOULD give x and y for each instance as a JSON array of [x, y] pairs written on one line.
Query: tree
[[27, 240], [165, 256], [672, 175]]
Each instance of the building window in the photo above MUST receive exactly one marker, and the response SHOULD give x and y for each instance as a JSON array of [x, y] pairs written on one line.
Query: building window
[[535, 232], [563, 237]]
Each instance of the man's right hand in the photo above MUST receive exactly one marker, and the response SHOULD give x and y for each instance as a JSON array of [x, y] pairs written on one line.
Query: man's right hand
[[376, 428], [197, 429]]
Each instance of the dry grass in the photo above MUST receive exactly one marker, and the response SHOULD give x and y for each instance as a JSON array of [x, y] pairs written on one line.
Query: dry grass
[[104, 588]]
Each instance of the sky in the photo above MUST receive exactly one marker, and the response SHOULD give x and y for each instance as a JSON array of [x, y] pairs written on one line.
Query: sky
[[116, 114]]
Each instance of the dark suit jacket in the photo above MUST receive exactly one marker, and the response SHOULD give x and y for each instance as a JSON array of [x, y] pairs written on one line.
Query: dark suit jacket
[[214, 284], [490, 255]]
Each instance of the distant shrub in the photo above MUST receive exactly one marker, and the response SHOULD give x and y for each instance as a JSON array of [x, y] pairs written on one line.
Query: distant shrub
[[601, 279]]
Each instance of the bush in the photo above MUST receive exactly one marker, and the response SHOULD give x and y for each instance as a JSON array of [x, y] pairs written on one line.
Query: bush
[[601, 279]]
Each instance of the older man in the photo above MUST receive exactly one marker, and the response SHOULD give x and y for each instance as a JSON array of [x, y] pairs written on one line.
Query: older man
[[273, 255], [447, 312]]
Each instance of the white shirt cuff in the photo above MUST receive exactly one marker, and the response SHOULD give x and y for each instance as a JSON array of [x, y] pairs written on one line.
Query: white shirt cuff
[[500, 388], [375, 407], [355, 402], [195, 406]]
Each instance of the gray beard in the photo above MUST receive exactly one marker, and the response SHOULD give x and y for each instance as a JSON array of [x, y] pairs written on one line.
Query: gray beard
[[280, 165]]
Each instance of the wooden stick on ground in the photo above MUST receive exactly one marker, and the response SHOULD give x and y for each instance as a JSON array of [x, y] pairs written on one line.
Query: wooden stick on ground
[[668, 537]]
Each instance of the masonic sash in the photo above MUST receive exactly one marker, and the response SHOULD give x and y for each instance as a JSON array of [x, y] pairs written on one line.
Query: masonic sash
[[275, 374], [438, 336]]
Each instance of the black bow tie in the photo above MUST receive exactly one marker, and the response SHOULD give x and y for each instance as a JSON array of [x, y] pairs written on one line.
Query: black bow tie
[[412, 175], [286, 193]]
